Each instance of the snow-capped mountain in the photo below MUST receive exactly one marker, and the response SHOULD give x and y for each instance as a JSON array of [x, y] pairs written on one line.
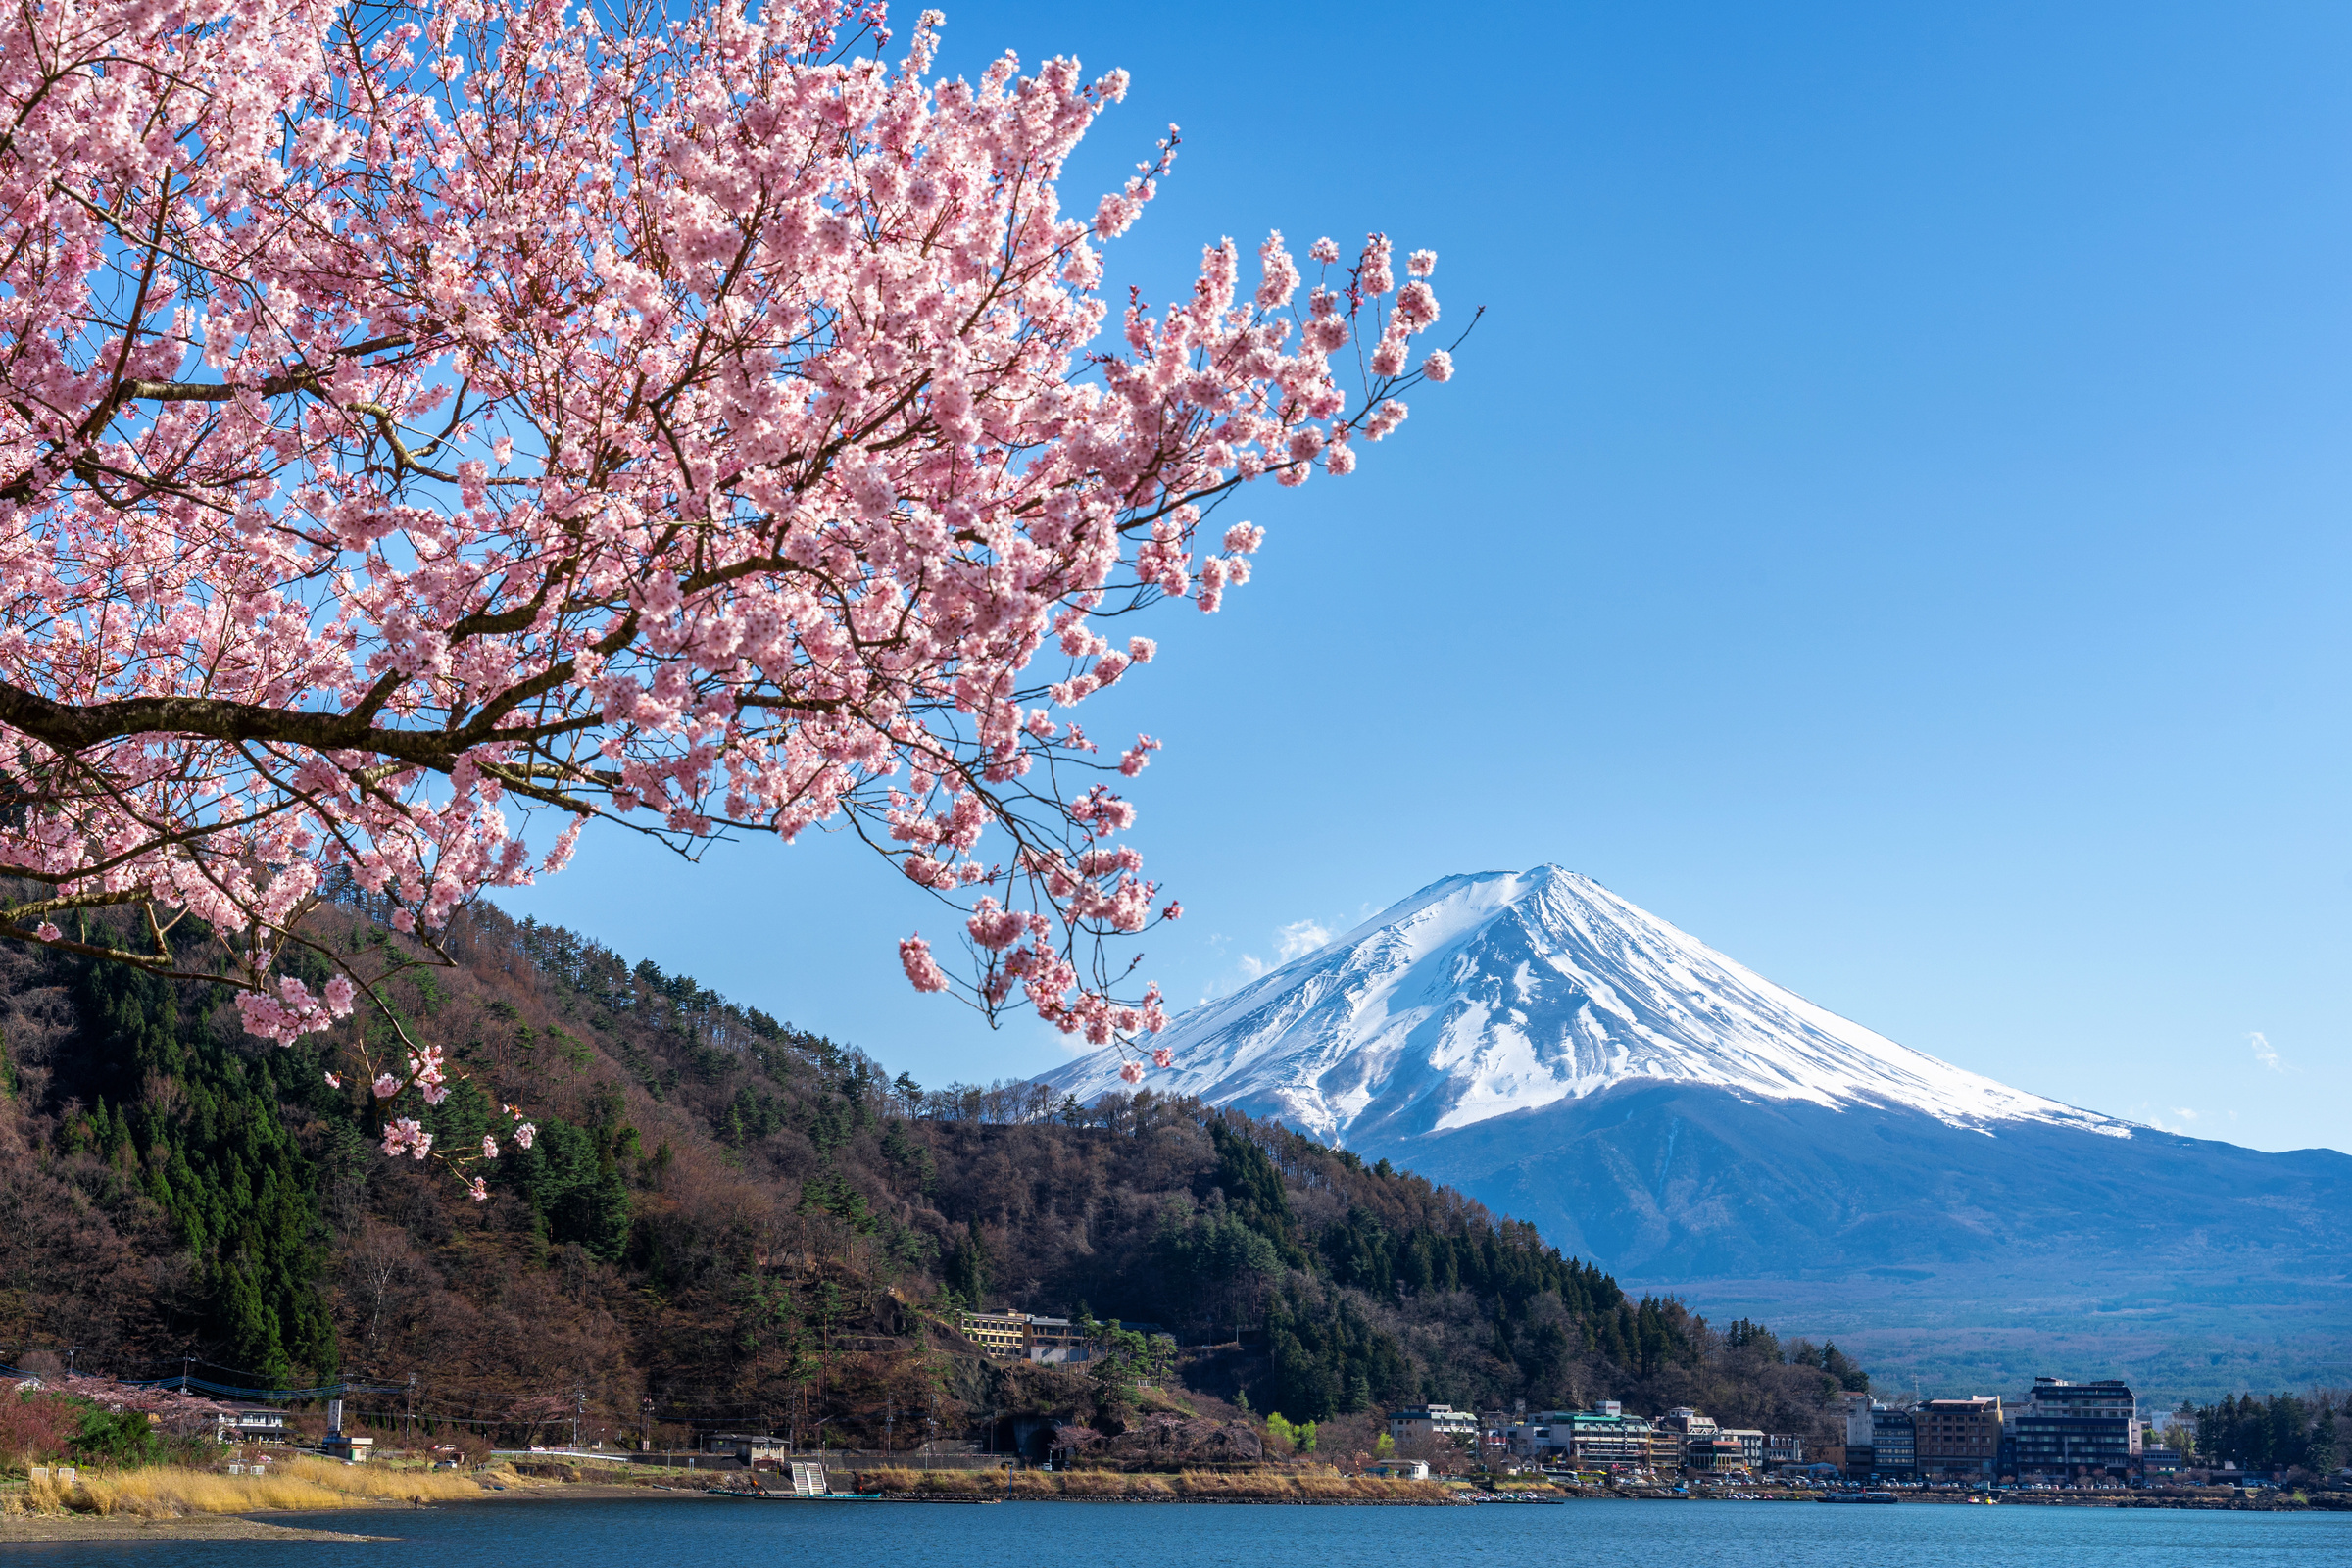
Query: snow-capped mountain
[[1504, 992], [1565, 1058]]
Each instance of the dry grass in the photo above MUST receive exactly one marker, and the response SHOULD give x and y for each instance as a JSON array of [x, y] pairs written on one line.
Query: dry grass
[[1190, 1486], [167, 1492]]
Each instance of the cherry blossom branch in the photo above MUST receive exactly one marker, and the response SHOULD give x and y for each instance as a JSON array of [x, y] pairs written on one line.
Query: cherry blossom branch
[[697, 423]]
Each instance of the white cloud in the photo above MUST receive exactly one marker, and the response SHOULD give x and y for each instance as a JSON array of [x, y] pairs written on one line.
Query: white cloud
[[2263, 1052], [1298, 938], [2185, 1113], [1252, 966]]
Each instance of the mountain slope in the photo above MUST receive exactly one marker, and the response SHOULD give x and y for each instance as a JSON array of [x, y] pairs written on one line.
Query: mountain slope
[[726, 1222], [1567, 1059]]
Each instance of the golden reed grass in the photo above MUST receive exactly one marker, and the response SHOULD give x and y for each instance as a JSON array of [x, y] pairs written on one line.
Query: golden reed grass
[[164, 1492]]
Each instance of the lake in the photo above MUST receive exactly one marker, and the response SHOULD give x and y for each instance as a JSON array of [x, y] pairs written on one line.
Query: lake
[[712, 1533]]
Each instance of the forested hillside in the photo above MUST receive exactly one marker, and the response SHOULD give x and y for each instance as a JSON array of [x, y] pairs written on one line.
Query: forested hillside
[[727, 1221]]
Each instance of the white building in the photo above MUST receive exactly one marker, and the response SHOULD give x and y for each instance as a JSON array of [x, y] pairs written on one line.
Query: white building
[[1399, 1469], [1433, 1423], [249, 1423]]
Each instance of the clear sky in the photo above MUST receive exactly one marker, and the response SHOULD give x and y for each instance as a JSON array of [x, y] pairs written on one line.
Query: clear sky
[[1891, 525]]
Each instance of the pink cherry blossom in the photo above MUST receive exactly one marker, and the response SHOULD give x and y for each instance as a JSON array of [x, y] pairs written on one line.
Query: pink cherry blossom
[[922, 970], [386, 1086], [1136, 756], [525, 1134], [1438, 367], [479, 1192], [1281, 274], [688, 418], [427, 1072], [490, 1147], [334, 1081], [1131, 1072]]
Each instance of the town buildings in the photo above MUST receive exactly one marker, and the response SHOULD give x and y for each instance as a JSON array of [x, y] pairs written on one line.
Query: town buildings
[[1024, 1337], [1602, 1438], [1430, 1423], [1957, 1439], [1687, 1437], [2063, 1432], [2075, 1431], [1857, 1408], [1894, 1442], [247, 1423]]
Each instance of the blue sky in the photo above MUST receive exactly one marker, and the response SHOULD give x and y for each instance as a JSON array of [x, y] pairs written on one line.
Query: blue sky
[[1891, 525]]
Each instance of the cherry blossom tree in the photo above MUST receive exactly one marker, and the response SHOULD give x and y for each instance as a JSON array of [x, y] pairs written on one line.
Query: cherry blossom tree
[[419, 423]]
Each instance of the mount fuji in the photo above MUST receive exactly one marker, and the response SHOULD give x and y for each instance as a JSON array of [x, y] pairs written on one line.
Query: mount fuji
[[1567, 1059]]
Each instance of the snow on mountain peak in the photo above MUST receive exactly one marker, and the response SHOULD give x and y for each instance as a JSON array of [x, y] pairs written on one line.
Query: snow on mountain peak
[[1482, 994]]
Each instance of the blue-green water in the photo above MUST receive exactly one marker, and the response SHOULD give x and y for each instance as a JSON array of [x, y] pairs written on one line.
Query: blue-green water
[[714, 1532]]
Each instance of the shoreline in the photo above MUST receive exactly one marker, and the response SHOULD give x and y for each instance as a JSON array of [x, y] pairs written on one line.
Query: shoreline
[[63, 1527], [30, 1529]]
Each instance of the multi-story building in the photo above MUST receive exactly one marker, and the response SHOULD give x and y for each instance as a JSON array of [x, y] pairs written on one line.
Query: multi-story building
[[1055, 1340], [1608, 1439], [997, 1333], [1784, 1448], [1682, 1426], [1541, 1437], [1716, 1453], [1433, 1423], [1957, 1439], [2077, 1431], [1857, 1408], [1894, 1442], [247, 1423], [1604, 1438], [1024, 1337], [1751, 1446]]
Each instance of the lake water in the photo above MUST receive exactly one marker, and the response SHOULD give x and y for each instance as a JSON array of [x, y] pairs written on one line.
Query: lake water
[[714, 1532]]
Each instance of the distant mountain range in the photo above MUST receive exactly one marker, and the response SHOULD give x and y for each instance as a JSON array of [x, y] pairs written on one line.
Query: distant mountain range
[[1570, 1059]]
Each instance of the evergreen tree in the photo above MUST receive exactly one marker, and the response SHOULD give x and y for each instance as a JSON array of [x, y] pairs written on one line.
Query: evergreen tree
[[214, 1152]]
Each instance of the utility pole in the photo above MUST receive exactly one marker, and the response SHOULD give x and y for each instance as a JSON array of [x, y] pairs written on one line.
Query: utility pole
[[889, 1413], [645, 1426], [579, 1407], [412, 1413], [187, 1365]]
